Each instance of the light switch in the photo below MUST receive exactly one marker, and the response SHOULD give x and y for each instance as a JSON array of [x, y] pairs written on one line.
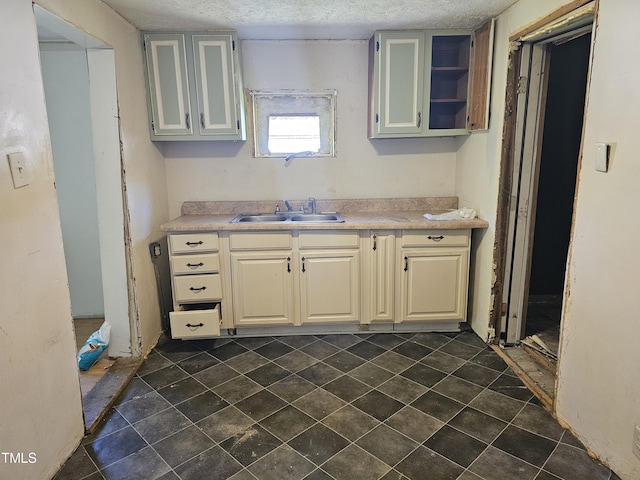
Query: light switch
[[602, 157], [18, 169]]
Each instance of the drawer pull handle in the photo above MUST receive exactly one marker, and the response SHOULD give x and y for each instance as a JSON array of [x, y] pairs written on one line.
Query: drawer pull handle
[[193, 244], [435, 239], [303, 269], [197, 290], [195, 326], [406, 263], [195, 265], [288, 264], [375, 243]]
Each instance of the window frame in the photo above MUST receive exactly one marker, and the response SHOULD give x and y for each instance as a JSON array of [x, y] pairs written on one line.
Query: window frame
[[266, 103]]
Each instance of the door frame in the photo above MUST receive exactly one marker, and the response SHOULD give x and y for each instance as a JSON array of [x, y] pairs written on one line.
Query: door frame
[[522, 135], [113, 226]]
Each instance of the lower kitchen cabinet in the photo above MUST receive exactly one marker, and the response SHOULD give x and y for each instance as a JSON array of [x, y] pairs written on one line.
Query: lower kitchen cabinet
[[316, 277], [196, 285], [274, 282], [329, 286], [329, 276], [433, 273], [262, 286], [380, 282]]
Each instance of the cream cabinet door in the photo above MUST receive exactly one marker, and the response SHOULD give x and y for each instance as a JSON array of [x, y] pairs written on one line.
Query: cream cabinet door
[[329, 286], [262, 284], [433, 284], [381, 275]]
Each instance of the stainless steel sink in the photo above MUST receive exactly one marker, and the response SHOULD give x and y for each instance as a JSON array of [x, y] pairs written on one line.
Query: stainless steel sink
[[258, 217], [288, 217], [317, 217]]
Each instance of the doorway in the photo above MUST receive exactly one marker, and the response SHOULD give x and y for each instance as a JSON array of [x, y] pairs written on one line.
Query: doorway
[[81, 100], [546, 89], [554, 201]]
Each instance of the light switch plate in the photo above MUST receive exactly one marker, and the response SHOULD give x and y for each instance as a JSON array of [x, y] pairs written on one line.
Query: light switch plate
[[602, 157], [18, 169]]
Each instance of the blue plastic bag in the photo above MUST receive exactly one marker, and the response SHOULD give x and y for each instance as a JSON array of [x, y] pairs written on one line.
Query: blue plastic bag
[[93, 347]]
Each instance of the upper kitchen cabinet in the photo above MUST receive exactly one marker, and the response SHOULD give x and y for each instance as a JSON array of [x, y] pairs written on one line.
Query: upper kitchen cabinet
[[396, 86], [195, 86], [429, 83]]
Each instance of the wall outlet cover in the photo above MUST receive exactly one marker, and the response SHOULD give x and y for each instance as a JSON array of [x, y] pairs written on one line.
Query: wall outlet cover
[[602, 157], [19, 172]]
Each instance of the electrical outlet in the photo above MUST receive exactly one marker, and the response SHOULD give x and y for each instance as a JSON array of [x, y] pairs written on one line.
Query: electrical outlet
[[636, 441]]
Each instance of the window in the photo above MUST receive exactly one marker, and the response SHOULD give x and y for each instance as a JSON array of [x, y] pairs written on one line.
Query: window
[[290, 122], [293, 133]]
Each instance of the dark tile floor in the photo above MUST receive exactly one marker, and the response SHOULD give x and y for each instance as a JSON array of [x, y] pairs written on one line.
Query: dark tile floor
[[374, 406]]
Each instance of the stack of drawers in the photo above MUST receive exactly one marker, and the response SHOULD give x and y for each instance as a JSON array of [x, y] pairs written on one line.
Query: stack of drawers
[[196, 283]]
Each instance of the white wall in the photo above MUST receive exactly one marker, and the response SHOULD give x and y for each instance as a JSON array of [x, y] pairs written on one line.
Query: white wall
[[37, 346], [66, 83], [362, 168], [40, 391], [598, 393]]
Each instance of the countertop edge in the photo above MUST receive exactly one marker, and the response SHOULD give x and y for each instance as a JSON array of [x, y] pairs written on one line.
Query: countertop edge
[[352, 221]]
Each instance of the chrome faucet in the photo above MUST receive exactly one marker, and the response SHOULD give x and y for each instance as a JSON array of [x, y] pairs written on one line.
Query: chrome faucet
[[311, 205]]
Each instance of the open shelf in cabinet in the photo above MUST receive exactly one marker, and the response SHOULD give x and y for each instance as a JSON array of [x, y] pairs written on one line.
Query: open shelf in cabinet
[[449, 81]]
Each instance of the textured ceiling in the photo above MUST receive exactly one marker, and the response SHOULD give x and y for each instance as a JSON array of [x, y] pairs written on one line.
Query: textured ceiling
[[306, 19]]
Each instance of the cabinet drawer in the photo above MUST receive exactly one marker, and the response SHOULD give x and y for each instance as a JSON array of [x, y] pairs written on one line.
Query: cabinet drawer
[[193, 242], [425, 238], [197, 288], [195, 323], [342, 239], [260, 241], [202, 263]]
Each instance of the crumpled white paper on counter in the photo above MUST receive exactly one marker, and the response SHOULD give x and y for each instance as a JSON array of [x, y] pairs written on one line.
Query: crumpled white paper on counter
[[460, 214]]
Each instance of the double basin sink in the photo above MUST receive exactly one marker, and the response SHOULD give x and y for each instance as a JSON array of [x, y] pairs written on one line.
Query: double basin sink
[[293, 217]]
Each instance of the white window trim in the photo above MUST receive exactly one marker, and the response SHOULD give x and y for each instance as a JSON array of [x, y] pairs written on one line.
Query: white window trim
[[262, 107]]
